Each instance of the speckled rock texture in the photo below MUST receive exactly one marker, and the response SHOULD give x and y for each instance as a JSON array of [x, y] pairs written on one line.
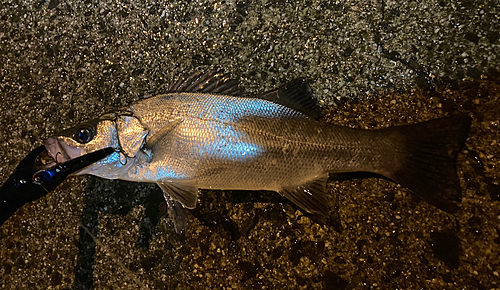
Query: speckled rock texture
[[370, 64]]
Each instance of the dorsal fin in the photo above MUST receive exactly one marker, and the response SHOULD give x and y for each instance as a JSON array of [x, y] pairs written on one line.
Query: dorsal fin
[[212, 81], [296, 95]]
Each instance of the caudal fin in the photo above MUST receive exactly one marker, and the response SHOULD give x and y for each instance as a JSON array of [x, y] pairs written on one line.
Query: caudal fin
[[428, 167]]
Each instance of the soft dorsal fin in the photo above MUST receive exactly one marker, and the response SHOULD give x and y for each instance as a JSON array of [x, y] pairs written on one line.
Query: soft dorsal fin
[[212, 81], [296, 95], [309, 196]]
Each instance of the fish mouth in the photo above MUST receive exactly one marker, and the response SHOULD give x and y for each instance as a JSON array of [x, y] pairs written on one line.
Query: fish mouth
[[60, 151]]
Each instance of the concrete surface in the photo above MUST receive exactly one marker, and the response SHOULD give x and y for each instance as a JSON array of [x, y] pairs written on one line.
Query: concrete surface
[[371, 64]]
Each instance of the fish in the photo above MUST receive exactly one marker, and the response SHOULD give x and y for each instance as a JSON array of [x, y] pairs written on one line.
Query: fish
[[202, 134]]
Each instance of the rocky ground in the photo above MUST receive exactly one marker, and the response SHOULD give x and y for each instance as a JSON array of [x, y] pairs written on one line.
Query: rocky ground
[[370, 64]]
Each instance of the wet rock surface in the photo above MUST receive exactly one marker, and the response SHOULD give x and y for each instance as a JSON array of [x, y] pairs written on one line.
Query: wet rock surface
[[370, 65]]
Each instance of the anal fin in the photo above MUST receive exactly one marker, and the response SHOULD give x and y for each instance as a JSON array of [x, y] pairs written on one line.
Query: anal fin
[[310, 196]]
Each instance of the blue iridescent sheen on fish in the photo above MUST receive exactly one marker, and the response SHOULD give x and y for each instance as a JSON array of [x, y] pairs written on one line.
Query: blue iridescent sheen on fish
[[200, 135]]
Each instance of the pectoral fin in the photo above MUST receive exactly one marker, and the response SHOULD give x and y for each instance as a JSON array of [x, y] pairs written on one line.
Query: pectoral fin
[[309, 196], [162, 133], [183, 191], [177, 212]]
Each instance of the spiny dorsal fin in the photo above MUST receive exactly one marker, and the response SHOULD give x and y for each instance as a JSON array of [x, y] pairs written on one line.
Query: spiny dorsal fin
[[296, 95], [309, 196], [212, 81]]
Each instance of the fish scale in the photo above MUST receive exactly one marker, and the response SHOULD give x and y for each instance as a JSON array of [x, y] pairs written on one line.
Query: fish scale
[[184, 141], [222, 130]]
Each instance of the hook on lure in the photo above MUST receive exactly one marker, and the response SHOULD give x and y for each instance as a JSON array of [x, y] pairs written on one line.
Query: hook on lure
[[27, 184], [62, 170]]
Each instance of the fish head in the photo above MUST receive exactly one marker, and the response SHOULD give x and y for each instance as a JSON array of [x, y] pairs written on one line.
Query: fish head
[[122, 132]]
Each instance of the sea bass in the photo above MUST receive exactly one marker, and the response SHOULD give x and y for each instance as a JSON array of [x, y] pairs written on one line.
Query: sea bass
[[200, 136]]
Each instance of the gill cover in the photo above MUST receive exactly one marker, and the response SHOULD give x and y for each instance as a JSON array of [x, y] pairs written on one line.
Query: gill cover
[[131, 135]]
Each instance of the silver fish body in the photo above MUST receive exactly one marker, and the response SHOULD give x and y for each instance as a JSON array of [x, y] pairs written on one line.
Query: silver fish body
[[186, 141], [224, 142]]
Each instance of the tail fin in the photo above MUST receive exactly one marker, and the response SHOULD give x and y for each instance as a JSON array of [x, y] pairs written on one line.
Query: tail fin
[[428, 168]]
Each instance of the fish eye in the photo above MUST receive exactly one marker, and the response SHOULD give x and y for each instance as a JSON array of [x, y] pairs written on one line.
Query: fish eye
[[83, 135]]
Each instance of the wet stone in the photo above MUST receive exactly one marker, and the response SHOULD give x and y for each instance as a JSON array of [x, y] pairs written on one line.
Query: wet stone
[[250, 270], [103, 55], [446, 247], [472, 37], [493, 36], [56, 278], [53, 4], [301, 280], [149, 262], [474, 73], [494, 191], [332, 281], [475, 225], [277, 253], [447, 278], [348, 51]]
